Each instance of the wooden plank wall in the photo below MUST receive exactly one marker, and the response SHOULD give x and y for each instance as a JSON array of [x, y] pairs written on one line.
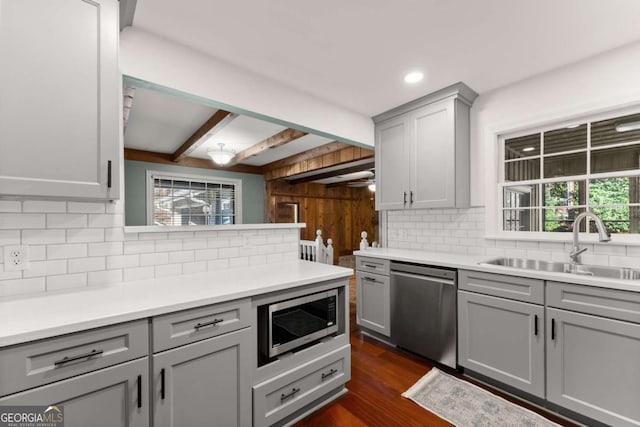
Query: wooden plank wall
[[342, 213]]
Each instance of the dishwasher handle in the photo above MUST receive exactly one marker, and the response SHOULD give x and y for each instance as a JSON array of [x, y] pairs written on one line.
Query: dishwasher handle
[[449, 282]]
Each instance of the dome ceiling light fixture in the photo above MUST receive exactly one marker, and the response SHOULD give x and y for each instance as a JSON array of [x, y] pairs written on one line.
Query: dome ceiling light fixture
[[221, 157]]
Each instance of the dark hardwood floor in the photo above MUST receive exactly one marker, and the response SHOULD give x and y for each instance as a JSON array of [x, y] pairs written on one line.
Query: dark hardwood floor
[[379, 374]]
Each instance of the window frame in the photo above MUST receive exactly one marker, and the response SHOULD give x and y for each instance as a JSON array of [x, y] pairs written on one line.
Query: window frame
[[500, 183], [209, 179]]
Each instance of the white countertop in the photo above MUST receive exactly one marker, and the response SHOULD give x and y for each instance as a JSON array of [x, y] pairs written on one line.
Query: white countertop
[[472, 262], [39, 316]]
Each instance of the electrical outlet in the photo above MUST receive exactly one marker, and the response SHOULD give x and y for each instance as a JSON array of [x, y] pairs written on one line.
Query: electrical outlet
[[16, 258]]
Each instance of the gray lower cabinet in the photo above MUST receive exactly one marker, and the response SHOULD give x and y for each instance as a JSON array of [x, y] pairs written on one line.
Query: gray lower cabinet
[[204, 383], [593, 361], [110, 397], [502, 339], [373, 302]]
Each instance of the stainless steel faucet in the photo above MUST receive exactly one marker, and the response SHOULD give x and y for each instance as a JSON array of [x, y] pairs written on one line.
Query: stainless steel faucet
[[603, 235]]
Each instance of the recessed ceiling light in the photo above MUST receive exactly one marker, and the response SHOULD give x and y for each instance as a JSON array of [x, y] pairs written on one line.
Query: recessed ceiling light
[[574, 126], [527, 149], [413, 77], [626, 127]]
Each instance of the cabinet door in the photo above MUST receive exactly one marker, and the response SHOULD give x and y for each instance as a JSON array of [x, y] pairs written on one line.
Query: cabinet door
[[432, 159], [373, 302], [502, 339], [392, 175], [59, 98], [593, 366], [110, 397], [205, 383]]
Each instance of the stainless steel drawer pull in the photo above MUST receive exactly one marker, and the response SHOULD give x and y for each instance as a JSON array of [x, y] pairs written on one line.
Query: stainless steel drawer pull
[[68, 359], [212, 323], [329, 374], [369, 279], [371, 265], [293, 392]]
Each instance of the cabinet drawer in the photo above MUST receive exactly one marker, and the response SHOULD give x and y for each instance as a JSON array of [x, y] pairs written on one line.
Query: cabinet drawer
[[42, 362], [184, 327], [500, 285], [373, 265], [613, 303], [283, 395]]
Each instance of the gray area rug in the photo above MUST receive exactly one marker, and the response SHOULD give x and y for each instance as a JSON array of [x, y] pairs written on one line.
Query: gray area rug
[[466, 405]]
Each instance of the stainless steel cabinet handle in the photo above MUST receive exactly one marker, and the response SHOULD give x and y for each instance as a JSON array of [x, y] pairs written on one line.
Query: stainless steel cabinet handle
[[535, 325], [329, 374], [292, 393], [369, 279], [68, 359], [411, 197], [212, 323], [162, 383], [371, 266], [404, 198], [553, 329]]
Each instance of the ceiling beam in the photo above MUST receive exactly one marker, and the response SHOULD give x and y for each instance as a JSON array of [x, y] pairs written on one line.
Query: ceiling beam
[[350, 181], [281, 138], [194, 162], [343, 171], [219, 120], [306, 155], [327, 155]]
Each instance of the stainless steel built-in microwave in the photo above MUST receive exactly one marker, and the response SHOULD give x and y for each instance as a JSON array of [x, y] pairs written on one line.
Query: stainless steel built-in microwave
[[289, 324]]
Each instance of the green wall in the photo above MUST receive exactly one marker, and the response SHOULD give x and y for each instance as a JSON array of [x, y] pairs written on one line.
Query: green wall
[[253, 190]]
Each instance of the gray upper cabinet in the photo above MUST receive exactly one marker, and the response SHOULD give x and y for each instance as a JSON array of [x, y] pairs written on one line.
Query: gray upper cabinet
[[422, 151], [60, 92]]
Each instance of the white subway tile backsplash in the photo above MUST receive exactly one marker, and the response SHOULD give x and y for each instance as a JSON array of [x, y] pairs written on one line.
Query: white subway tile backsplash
[[194, 267], [194, 244], [9, 237], [44, 206], [45, 268], [66, 221], [181, 256], [169, 270], [66, 281], [138, 273], [122, 261], [10, 206], [83, 207], [76, 244], [14, 221], [22, 286], [65, 251], [158, 258], [139, 247], [168, 245], [85, 235], [79, 265], [42, 237], [105, 249], [105, 220], [97, 278], [206, 254]]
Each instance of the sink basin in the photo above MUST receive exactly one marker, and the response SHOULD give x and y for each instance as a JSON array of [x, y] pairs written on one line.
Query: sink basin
[[564, 267]]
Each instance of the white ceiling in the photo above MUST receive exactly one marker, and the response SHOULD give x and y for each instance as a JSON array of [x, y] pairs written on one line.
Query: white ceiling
[[161, 122], [355, 53]]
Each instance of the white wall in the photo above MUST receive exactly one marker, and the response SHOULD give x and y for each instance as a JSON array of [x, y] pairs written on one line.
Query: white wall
[[600, 83], [157, 60]]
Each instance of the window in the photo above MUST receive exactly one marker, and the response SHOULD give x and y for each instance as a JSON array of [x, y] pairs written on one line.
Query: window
[[550, 176], [192, 200]]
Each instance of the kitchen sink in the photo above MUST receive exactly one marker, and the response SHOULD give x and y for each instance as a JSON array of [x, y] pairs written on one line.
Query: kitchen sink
[[623, 273]]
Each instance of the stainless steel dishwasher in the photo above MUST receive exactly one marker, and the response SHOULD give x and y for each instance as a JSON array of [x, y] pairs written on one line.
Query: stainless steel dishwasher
[[423, 311]]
